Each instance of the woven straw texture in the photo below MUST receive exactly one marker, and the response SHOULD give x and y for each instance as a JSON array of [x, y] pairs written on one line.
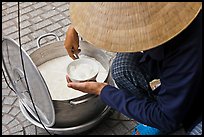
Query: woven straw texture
[[131, 26]]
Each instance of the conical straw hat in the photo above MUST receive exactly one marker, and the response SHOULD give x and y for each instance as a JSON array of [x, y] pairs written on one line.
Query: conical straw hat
[[131, 26]]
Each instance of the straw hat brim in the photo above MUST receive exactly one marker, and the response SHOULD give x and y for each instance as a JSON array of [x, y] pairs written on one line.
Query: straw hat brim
[[131, 26]]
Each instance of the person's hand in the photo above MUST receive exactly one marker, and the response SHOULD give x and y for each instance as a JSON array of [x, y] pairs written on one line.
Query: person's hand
[[87, 87], [71, 43]]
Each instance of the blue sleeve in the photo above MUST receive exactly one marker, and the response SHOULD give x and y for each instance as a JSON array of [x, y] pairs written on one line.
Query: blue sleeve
[[145, 111]]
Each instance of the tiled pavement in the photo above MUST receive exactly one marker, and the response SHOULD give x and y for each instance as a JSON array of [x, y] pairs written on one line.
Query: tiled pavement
[[38, 18]]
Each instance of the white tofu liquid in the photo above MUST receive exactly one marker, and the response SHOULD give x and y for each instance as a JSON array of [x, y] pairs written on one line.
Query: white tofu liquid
[[54, 73], [82, 71]]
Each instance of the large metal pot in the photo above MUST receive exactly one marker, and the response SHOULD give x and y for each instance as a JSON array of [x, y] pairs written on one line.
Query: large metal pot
[[68, 116], [80, 110]]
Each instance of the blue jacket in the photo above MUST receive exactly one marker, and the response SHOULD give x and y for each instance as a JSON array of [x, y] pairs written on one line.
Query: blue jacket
[[178, 64]]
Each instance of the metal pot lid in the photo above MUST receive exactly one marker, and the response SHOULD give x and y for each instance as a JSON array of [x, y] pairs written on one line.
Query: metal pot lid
[[37, 87]]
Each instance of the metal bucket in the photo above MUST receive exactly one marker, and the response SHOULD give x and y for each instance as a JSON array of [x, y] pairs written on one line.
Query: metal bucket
[[78, 114]]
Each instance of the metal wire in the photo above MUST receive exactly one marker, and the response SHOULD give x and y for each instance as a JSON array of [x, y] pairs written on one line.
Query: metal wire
[[25, 72]]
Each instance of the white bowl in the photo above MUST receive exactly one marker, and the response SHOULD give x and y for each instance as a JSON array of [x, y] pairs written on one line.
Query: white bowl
[[83, 69]]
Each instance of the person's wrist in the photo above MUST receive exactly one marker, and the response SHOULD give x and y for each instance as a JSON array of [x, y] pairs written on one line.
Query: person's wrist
[[102, 85]]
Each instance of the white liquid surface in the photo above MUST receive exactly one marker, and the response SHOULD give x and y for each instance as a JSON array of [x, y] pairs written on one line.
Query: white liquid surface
[[81, 71], [102, 74], [54, 73]]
